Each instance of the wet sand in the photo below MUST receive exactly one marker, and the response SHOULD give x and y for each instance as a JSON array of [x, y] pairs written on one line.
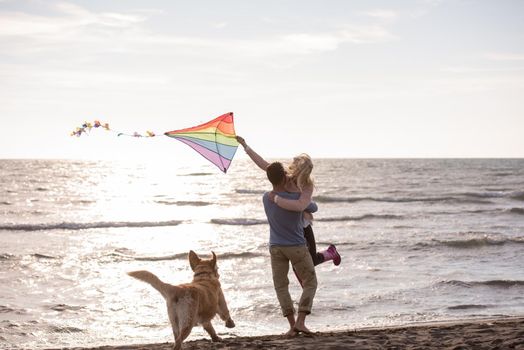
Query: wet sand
[[501, 333]]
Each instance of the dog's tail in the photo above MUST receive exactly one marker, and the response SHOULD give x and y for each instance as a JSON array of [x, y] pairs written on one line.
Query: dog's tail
[[164, 288]]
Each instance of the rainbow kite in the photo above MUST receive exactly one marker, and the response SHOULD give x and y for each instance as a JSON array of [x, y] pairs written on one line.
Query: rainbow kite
[[215, 140]]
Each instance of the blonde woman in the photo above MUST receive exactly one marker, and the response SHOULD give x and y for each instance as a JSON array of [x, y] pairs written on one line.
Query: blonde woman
[[298, 179]]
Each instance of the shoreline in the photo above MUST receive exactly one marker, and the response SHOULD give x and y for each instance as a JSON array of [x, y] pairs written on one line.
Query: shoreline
[[486, 333]]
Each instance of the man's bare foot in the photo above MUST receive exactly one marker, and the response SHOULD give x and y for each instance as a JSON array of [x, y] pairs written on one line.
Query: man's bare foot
[[291, 333], [302, 329]]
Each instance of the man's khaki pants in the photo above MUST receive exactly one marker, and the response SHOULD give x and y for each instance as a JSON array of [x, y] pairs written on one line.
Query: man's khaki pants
[[301, 260]]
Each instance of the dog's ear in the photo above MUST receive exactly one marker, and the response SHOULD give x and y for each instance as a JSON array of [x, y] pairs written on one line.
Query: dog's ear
[[214, 260], [194, 260]]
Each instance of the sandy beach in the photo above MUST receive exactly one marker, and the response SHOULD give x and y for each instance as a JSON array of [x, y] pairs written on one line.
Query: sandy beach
[[503, 333]]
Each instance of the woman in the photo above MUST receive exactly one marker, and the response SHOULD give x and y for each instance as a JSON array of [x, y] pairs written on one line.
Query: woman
[[298, 180]]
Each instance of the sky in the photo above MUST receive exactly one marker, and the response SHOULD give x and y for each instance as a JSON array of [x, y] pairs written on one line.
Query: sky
[[345, 79]]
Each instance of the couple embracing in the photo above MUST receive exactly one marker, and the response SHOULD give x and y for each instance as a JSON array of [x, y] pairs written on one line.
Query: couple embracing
[[289, 210]]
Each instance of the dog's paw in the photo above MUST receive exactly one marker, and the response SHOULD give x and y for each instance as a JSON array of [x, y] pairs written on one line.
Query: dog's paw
[[216, 339], [230, 323]]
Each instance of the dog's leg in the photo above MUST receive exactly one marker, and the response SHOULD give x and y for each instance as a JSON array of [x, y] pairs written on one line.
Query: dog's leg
[[184, 333], [209, 329], [223, 311], [173, 318], [187, 314]]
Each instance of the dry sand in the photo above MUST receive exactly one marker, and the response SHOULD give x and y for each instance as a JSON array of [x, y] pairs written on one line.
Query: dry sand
[[503, 333]]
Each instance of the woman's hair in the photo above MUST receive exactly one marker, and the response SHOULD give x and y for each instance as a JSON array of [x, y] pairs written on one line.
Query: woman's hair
[[300, 171]]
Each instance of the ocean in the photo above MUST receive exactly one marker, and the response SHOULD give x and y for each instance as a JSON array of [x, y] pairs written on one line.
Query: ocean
[[421, 240]]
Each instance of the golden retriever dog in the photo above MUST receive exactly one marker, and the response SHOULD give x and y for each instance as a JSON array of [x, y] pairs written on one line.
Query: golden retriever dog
[[194, 303]]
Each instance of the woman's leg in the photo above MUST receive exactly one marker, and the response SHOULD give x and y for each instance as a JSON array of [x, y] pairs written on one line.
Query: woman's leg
[[318, 258], [330, 253]]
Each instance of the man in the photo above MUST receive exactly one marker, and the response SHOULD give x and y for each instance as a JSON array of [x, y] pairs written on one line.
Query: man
[[287, 244]]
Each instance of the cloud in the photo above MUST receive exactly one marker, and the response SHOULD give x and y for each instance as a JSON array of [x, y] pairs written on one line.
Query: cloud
[[459, 69], [366, 34], [499, 56], [221, 25], [299, 43], [73, 28], [313, 43], [69, 18], [309, 43], [69, 30], [382, 14], [17, 24], [77, 48]]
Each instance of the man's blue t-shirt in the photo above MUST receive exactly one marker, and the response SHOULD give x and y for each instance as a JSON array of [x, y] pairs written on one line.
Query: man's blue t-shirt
[[285, 226]]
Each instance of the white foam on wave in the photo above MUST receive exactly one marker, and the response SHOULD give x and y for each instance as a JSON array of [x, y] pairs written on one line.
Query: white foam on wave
[[86, 225]]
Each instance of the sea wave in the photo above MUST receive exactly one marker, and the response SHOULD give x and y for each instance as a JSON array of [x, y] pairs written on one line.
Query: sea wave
[[338, 244], [118, 256], [36, 212], [184, 203], [459, 211], [65, 307], [517, 211], [43, 256], [489, 194], [83, 201], [243, 255], [330, 199], [478, 242], [196, 174], [361, 217], [238, 221], [502, 193], [502, 174], [518, 195], [86, 225], [4, 309], [245, 191], [468, 306], [498, 189], [489, 283], [463, 197], [183, 256], [64, 329], [6, 256], [251, 221]]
